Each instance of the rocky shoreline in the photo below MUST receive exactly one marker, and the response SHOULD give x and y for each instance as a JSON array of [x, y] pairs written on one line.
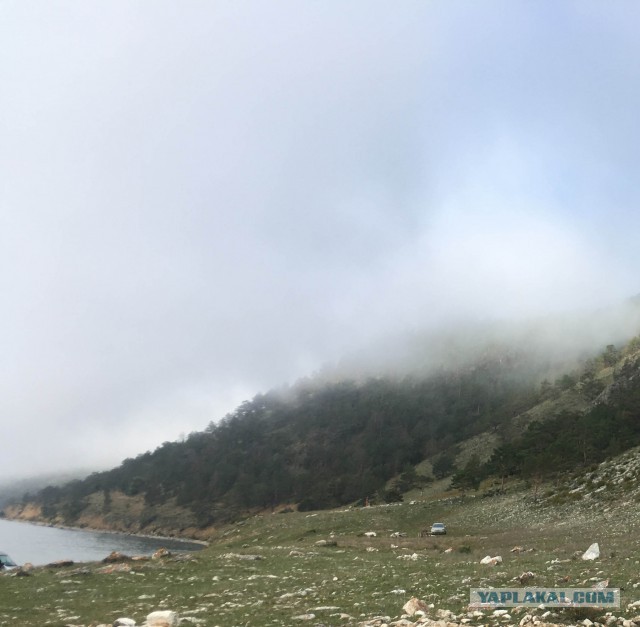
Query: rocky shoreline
[[32, 513], [150, 536]]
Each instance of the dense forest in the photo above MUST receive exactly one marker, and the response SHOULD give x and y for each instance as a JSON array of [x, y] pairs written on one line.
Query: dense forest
[[318, 444]]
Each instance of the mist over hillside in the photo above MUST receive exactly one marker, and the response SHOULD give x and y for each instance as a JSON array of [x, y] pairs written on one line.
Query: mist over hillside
[[468, 410], [561, 340]]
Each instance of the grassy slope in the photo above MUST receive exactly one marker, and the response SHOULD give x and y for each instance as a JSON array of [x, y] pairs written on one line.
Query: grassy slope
[[361, 576]]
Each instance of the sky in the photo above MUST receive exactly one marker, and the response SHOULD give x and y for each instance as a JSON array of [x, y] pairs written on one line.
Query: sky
[[200, 201]]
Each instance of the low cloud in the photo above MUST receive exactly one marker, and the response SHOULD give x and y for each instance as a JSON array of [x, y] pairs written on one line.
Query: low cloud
[[201, 202]]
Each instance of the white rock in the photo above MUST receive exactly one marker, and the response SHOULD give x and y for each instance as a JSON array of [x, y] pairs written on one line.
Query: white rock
[[500, 612], [491, 561], [304, 617], [370, 534], [165, 618], [592, 553], [124, 622]]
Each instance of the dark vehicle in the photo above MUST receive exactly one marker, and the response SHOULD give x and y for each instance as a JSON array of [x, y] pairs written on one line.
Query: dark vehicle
[[6, 563], [438, 529]]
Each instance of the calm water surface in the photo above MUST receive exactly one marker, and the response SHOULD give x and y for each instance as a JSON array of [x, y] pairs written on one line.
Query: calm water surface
[[40, 545]]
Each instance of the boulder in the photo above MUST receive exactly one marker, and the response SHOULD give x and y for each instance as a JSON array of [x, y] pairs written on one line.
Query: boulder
[[116, 556], [491, 561], [161, 553], [60, 564], [525, 577], [592, 553], [414, 605], [164, 618]]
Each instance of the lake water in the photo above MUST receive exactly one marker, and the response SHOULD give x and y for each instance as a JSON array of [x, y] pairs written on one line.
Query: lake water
[[39, 545]]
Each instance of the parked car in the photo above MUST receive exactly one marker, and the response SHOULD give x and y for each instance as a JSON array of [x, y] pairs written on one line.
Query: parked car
[[6, 563], [438, 529]]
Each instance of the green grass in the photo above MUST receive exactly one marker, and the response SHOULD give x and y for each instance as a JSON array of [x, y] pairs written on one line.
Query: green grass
[[360, 577]]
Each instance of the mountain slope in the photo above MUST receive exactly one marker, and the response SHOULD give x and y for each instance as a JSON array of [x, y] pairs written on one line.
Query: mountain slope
[[321, 444]]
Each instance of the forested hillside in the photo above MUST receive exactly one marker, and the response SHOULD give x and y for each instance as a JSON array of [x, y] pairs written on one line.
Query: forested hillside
[[319, 444]]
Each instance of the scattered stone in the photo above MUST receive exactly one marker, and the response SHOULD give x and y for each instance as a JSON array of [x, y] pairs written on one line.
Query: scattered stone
[[124, 622], [326, 608], [398, 534], [308, 616], [326, 543], [370, 534], [75, 571], [295, 553], [449, 550], [242, 556], [376, 621], [592, 553], [114, 568], [601, 585], [517, 549]]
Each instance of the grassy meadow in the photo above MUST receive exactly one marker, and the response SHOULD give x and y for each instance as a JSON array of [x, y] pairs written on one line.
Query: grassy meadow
[[269, 569]]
